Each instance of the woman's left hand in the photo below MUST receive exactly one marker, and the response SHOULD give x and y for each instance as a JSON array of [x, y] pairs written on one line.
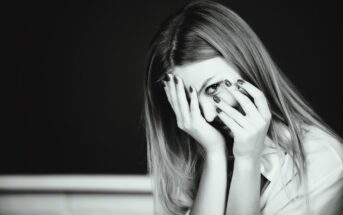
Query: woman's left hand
[[249, 130]]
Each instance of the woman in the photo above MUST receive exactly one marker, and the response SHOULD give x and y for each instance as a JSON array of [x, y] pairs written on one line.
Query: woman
[[227, 132]]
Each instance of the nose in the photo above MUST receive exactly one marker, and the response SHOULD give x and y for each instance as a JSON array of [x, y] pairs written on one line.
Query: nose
[[208, 106]]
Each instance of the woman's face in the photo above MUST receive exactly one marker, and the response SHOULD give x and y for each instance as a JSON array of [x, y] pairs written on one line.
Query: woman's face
[[207, 78]]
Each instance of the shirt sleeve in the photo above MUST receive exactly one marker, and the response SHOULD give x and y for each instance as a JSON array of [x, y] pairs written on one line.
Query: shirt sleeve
[[325, 179]]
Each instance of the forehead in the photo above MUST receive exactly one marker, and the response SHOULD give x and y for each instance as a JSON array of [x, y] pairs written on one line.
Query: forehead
[[195, 74]]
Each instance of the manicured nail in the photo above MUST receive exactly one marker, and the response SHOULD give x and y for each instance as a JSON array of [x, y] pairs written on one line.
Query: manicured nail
[[218, 110], [243, 91], [190, 89], [216, 98], [175, 79], [163, 84], [240, 81], [227, 83], [239, 87]]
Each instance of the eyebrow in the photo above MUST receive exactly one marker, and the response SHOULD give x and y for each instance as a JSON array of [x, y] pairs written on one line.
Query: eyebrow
[[204, 84]]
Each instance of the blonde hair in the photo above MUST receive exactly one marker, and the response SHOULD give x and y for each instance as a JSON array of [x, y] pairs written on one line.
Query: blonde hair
[[203, 30]]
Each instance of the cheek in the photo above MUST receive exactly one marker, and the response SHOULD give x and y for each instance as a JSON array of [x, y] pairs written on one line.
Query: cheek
[[207, 105], [228, 98]]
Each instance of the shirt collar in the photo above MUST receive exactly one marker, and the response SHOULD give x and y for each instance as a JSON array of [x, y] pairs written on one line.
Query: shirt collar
[[272, 158]]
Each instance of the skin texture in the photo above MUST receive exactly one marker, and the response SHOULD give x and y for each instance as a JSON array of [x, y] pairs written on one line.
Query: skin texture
[[204, 69], [254, 124], [248, 130], [190, 119]]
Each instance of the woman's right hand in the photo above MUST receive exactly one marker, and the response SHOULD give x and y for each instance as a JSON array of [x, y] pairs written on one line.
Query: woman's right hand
[[188, 116]]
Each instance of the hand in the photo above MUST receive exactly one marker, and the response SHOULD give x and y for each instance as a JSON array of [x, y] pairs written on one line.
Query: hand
[[188, 116], [249, 130]]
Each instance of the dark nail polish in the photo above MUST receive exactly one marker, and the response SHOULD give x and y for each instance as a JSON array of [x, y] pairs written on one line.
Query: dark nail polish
[[240, 81], [190, 89], [240, 89], [216, 99], [163, 84], [166, 77], [175, 79], [218, 110], [227, 83]]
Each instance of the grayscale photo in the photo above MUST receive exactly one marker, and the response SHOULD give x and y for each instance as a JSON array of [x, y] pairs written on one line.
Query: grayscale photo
[[185, 107]]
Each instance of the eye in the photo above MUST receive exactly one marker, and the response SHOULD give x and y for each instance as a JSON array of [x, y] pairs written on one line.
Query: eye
[[213, 88]]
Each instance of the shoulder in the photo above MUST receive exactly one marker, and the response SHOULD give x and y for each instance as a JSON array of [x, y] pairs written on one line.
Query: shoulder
[[317, 142], [324, 162], [324, 154]]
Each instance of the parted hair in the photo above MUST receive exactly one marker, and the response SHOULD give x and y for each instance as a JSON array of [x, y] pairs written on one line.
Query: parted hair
[[202, 30]]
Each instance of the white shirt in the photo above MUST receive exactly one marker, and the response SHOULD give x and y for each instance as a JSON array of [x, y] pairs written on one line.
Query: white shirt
[[283, 195]]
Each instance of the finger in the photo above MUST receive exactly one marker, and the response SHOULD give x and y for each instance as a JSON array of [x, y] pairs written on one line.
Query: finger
[[166, 90], [258, 96], [232, 112], [173, 97], [246, 104], [229, 122], [194, 103], [181, 98]]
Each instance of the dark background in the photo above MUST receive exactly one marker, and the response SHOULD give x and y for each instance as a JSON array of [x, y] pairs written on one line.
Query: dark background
[[75, 97]]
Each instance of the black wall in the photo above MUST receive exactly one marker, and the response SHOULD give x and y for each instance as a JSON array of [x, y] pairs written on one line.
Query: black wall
[[75, 97]]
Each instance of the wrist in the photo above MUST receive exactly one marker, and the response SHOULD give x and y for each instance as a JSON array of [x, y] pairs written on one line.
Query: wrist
[[219, 151], [216, 160], [247, 163]]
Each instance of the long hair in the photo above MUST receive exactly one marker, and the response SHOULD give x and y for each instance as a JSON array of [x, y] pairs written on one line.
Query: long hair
[[202, 30]]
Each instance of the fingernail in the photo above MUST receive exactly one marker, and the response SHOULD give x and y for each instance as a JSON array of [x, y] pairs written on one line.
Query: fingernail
[[240, 81], [190, 89], [243, 91], [175, 79], [216, 98], [166, 77], [218, 110], [163, 84], [237, 85], [227, 83]]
